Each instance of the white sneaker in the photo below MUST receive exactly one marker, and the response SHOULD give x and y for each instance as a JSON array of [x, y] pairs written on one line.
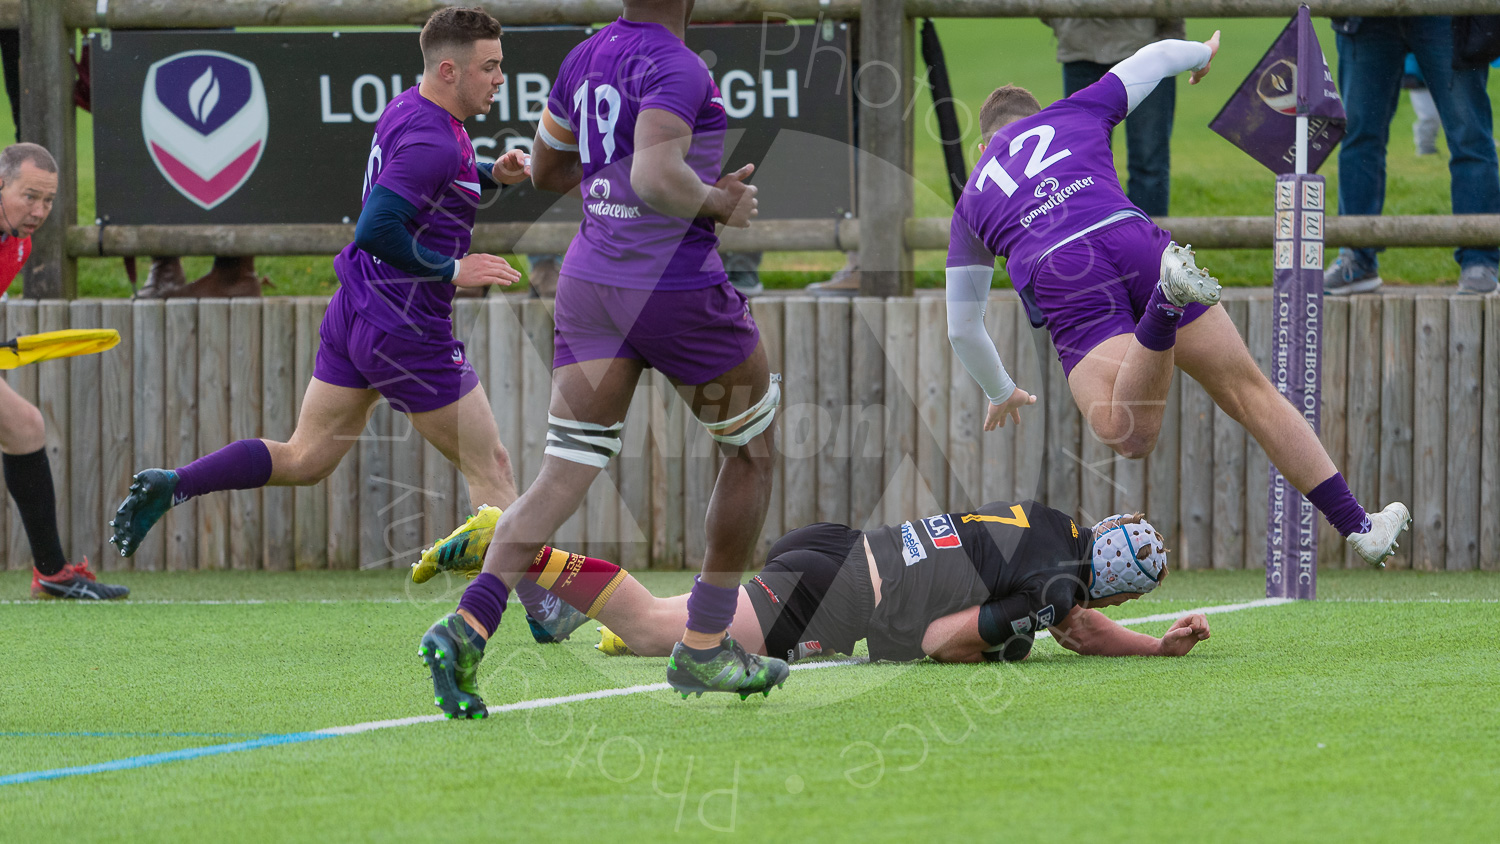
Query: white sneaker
[[1183, 281], [1379, 541]]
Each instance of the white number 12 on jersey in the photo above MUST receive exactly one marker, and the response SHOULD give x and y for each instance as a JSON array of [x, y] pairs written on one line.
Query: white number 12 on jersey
[[1040, 161]]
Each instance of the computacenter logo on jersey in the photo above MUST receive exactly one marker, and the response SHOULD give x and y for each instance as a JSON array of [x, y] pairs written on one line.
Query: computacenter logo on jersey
[[618, 210], [205, 121], [942, 532], [1058, 197], [911, 547]]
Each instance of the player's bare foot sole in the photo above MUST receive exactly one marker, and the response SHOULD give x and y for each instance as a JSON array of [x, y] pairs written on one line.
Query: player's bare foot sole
[[733, 669], [1183, 281], [1379, 542], [151, 494], [448, 651]]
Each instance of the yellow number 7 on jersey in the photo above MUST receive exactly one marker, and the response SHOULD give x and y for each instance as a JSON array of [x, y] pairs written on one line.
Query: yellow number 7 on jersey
[[1017, 517]]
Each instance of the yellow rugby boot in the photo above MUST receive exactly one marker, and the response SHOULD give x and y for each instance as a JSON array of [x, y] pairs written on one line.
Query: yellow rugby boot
[[460, 551]]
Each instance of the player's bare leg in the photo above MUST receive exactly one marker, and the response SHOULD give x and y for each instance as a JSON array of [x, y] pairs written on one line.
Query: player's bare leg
[[1121, 385], [466, 434], [329, 424], [1121, 388], [1211, 351]]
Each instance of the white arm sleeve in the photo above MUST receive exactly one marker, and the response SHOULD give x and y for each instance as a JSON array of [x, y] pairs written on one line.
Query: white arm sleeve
[[968, 292], [1155, 62]]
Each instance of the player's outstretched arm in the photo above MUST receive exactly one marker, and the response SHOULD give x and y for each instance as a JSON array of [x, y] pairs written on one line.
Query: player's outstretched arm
[[660, 175], [555, 165], [1154, 62], [1092, 633], [968, 294]]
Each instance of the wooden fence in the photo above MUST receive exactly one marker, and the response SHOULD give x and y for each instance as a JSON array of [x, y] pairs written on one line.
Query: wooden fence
[[879, 424]]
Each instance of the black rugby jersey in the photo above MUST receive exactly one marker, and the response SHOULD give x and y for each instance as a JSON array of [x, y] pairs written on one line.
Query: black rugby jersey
[[1030, 559]]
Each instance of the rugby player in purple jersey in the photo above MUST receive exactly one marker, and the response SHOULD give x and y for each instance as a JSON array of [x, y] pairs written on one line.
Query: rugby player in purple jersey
[[388, 330], [1123, 303], [636, 124]]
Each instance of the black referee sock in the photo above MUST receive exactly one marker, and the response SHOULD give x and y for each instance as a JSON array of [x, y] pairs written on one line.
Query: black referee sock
[[29, 479]]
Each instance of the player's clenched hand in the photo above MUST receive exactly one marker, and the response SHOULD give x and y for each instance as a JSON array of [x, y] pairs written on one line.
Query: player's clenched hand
[[737, 204], [480, 270], [995, 417], [1213, 50], [513, 167], [1184, 634]]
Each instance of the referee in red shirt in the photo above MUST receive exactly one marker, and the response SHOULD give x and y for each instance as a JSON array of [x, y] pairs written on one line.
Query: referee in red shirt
[[28, 183]]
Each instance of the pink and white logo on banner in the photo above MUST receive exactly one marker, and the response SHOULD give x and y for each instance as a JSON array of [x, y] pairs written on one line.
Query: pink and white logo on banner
[[205, 121]]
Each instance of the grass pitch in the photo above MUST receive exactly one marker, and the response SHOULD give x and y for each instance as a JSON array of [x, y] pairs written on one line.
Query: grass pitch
[[1369, 714]]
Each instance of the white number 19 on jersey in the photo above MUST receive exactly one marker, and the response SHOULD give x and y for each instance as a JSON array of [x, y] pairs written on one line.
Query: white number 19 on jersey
[[606, 107]]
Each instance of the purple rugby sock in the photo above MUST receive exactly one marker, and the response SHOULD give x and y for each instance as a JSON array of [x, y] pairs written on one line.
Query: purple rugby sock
[[485, 600], [245, 464], [1339, 506], [1157, 329], [711, 608]]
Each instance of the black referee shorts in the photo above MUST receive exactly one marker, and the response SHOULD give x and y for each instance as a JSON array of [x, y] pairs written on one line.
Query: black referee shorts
[[814, 594]]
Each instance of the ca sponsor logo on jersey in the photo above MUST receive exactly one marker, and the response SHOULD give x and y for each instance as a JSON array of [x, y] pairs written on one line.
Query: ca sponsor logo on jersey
[[458, 356], [911, 547], [205, 121], [1047, 185], [599, 189], [1022, 626], [942, 532]]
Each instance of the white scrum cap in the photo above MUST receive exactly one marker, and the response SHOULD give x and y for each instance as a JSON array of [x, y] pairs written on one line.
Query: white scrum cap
[[1127, 557]]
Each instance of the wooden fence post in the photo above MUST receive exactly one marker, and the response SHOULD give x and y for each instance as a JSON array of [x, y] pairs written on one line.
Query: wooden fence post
[[47, 119], [882, 89]]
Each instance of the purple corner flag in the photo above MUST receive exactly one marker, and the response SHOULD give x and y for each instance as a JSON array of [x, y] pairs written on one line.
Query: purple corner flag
[[1261, 117]]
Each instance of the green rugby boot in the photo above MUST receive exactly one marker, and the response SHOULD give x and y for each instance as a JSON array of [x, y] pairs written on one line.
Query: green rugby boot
[[460, 551], [732, 670], [151, 496], [452, 651]]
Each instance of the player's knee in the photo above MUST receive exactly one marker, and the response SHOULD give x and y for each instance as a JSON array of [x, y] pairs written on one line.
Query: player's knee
[[27, 432], [1135, 448], [1131, 438]]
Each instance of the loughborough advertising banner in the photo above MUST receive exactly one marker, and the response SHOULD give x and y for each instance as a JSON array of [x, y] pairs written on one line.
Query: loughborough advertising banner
[[218, 127]]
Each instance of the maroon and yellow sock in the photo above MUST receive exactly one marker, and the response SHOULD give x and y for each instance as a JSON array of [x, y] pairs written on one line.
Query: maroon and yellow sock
[[584, 582]]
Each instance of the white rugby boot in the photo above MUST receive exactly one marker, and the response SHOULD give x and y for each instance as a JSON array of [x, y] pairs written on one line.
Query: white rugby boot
[[1183, 281], [1379, 542]]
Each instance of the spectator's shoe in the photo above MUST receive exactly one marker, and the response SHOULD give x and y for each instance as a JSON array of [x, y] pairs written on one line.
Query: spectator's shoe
[[451, 650], [541, 281], [1182, 280], [557, 623], [1345, 276], [748, 283], [229, 278], [74, 582], [611, 644], [845, 282], [163, 280], [150, 497], [733, 669], [460, 551], [1478, 280], [1379, 542]]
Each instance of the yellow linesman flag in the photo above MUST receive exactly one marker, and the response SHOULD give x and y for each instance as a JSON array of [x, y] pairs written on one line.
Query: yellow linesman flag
[[30, 348]]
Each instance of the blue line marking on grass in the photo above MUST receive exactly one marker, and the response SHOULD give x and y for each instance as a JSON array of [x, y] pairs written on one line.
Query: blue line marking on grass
[[161, 758], [133, 735]]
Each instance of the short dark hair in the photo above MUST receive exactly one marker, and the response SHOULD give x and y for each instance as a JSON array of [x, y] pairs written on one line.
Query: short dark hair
[[15, 155], [1005, 105], [454, 27]]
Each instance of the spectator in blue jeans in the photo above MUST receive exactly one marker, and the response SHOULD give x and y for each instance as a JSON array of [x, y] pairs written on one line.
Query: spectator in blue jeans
[[1371, 61], [1087, 48]]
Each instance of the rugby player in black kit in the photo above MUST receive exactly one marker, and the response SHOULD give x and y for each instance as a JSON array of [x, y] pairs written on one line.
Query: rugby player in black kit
[[956, 587]]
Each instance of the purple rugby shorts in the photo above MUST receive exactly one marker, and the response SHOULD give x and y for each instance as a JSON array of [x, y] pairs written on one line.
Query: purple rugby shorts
[[1097, 286], [415, 374], [691, 336]]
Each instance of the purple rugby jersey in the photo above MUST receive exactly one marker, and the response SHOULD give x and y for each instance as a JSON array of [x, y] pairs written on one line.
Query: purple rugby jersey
[[603, 86], [1042, 180], [422, 153]]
